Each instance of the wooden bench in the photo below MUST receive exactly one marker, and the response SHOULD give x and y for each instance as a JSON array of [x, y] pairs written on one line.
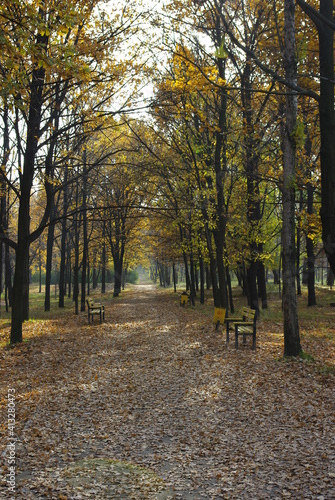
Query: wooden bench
[[95, 309], [230, 320], [246, 326]]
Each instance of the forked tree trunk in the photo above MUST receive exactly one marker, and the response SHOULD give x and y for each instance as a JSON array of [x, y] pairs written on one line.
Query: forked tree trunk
[[20, 306]]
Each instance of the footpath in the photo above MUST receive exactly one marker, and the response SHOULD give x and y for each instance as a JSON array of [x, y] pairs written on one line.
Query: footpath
[[152, 404]]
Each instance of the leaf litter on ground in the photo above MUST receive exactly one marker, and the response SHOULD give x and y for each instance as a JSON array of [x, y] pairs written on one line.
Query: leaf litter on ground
[[153, 404]]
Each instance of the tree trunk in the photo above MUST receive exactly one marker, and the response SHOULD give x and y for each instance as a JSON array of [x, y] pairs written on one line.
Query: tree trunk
[[327, 122], [76, 270], [310, 252], [103, 260], [187, 274], [85, 238], [40, 265], [252, 273], [230, 292], [88, 274], [20, 307], [261, 280], [160, 275], [167, 273], [48, 270], [19, 295], [174, 277], [76, 255], [196, 276], [62, 287], [291, 327], [208, 278], [327, 128], [202, 279], [94, 278], [69, 271], [193, 293], [3, 187], [275, 276], [253, 201], [298, 246], [8, 279], [117, 259]]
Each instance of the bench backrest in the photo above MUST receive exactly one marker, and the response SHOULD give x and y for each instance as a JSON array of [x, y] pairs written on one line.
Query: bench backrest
[[248, 314], [90, 302]]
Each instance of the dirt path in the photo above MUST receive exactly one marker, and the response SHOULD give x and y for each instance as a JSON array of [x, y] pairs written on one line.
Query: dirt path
[[152, 404]]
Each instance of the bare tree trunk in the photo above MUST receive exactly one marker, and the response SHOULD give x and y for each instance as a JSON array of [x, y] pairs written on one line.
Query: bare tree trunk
[[310, 252], [85, 238], [174, 277], [50, 240], [62, 286], [298, 246], [261, 280], [103, 261], [291, 327], [202, 279]]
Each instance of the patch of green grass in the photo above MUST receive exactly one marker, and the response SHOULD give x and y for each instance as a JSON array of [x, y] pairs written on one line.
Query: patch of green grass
[[306, 357], [327, 369], [303, 356]]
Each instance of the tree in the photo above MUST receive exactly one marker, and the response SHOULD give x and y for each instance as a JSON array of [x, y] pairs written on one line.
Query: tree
[[118, 192], [52, 62], [323, 21], [291, 328]]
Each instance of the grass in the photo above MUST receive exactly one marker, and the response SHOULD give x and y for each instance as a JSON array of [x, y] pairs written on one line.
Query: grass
[[322, 310], [315, 322], [306, 357], [37, 313], [36, 305]]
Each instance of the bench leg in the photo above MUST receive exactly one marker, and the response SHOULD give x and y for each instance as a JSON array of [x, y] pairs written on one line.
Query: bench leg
[[227, 334], [236, 337], [254, 340]]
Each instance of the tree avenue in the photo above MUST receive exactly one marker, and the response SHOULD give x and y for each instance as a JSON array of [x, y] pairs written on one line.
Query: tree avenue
[[52, 61], [226, 168]]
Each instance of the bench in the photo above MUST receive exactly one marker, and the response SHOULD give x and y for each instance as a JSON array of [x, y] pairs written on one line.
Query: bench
[[230, 320], [246, 326], [94, 309]]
